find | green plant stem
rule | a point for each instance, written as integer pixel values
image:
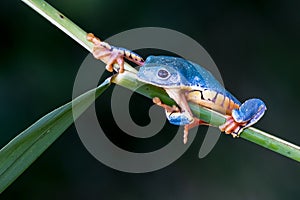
(129, 81)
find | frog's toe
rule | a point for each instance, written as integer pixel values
(120, 62)
(156, 100)
(185, 135)
(110, 64)
(92, 38)
(109, 68)
(229, 120)
(115, 57)
(232, 127)
(187, 127)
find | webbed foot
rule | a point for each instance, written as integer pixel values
(187, 127)
(111, 55)
(232, 127)
(247, 115)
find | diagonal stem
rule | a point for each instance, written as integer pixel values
(129, 81)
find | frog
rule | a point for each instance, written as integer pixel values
(184, 82)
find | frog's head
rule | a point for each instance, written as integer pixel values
(164, 71)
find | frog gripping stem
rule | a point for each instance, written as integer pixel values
(245, 116)
(111, 55)
(185, 82)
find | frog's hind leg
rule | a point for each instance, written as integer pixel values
(247, 115)
(111, 55)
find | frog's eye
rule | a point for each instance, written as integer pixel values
(163, 74)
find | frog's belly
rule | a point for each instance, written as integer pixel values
(213, 100)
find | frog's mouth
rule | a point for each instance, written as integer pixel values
(150, 82)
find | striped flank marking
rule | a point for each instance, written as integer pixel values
(212, 99)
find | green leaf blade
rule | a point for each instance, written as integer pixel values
(25, 148)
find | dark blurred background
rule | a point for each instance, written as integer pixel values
(255, 44)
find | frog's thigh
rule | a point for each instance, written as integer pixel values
(250, 111)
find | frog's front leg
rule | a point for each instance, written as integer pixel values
(247, 115)
(111, 55)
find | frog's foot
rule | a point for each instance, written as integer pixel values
(169, 109)
(187, 127)
(232, 127)
(106, 53)
(112, 55)
(247, 115)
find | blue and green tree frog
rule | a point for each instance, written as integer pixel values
(184, 81)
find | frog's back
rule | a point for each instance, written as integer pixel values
(201, 85)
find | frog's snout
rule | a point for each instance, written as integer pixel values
(144, 74)
(140, 74)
